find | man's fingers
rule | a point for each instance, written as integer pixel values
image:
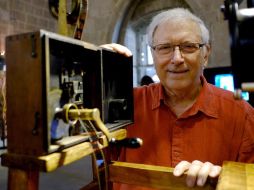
(121, 49)
(118, 48)
(181, 167)
(203, 173)
(107, 46)
(215, 171)
(193, 173)
(197, 172)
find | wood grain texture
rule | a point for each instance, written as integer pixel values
(23, 180)
(236, 176)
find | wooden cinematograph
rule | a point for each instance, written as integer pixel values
(63, 92)
(50, 76)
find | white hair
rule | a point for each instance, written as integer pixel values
(176, 14)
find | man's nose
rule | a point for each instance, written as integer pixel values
(177, 56)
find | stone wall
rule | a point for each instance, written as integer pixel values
(18, 16)
(4, 22)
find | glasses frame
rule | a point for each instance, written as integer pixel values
(171, 47)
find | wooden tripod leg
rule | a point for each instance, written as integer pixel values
(23, 179)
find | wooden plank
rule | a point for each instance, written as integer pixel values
(235, 176)
(149, 176)
(55, 160)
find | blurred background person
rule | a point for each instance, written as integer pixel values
(146, 80)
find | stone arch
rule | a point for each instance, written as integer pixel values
(140, 12)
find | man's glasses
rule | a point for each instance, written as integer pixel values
(186, 48)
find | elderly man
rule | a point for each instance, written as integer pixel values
(185, 122)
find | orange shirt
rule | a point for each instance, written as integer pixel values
(216, 128)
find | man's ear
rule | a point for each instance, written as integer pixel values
(206, 53)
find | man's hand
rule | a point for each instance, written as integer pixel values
(197, 172)
(118, 48)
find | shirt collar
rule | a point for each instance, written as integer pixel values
(205, 102)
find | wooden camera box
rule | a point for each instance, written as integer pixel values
(45, 71)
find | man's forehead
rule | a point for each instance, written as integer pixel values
(181, 23)
(181, 28)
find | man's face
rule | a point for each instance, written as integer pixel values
(179, 70)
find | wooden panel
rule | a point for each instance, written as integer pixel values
(24, 92)
(236, 176)
(55, 160)
(148, 176)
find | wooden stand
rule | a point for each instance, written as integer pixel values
(23, 173)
